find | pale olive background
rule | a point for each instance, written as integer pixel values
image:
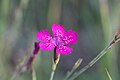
(96, 22)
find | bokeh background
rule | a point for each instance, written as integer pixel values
(96, 22)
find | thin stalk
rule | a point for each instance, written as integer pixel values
(33, 74)
(52, 75)
(28, 63)
(25, 66)
(15, 74)
(108, 74)
(69, 74)
(55, 62)
(53, 71)
(90, 64)
(76, 65)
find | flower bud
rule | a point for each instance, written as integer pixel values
(77, 63)
(116, 37)
(32, 56)
(56, 57)
(36, 48)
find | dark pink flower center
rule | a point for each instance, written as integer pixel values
(57, 41)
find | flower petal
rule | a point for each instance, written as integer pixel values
(58, 30)
(46, 46)
(70, 38)
(44, 36)
(63, 50)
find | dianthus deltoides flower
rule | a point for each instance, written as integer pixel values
(61, 40)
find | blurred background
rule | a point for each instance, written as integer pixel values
(96, 22)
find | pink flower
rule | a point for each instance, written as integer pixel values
(61, 39)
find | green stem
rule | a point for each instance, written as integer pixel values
(13, 77)
(52, 75)
(90, 64)
(53, 71)
(56, 59)
(76, 65)
(69, 74)
(33, 74)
